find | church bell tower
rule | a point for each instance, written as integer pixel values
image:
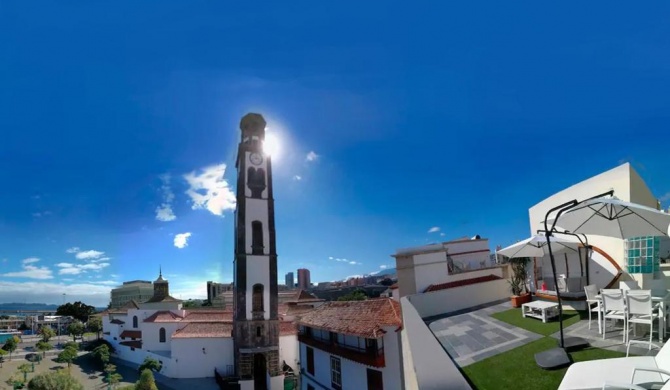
(255, 319)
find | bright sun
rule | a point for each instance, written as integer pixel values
(271, 145)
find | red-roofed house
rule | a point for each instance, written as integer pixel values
(352, 345)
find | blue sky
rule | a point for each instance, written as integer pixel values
(119, 128)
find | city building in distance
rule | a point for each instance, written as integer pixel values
(137, 290)
(303, 279)
(289, 280)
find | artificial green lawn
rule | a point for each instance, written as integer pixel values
(514, 317)
(516, 369)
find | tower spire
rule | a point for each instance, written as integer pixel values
(160, 271)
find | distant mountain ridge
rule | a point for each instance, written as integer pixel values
(15, 306)
(388, 271)
(27, 306)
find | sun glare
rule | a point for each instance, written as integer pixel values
(271, 145)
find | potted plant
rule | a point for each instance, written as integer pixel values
(520, 293)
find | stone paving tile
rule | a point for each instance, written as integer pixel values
(474, 336)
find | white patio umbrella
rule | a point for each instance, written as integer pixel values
(536, 246)
(602, 215)
(612, 217)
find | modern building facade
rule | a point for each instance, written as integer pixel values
(290, 281)
(610, 260)
(352, 345)
(419, 267)
(255, 307)
(304, 281)
(138, 290)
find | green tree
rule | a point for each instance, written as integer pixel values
(113, 378)
(67, 356)
(78, 310)
(356, 295)
(15, 380)
(57, 380)
(71, 344)
(147, 381)
(75, 329)
(2, 359)
(102, 353)
(47, 333)
(43, 347)
(25, 368)
(150, 364)
(95, 325)
(10, 345)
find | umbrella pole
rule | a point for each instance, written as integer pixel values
(558, 292)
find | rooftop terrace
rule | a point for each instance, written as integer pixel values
(494, 346)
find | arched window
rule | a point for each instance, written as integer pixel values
(256, 181)
(257, 237)
(135, 322)
(161, 335)
(257, 298)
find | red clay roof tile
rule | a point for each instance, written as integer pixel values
(358, 318)
(163, 316)
(204, 329)
(133, 334)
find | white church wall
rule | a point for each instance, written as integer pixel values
(198, 357)
(151, 332)
(288, 351)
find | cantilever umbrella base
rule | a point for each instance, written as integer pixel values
(552, 359)
(558, 357)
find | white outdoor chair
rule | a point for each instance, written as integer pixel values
(660, 289)
(641, 311)
(629, 285)
(614, 308)
(591, 293)
(635, 370)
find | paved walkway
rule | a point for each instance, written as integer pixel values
(474, 336)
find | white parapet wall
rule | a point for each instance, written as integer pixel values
(459, 298)
(426, 365)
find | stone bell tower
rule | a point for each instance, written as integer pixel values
(255, 319)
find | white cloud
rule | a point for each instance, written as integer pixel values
(209, 190)
(442, 234)
(87, 255)
(74, 249)
(330, 258)
(297, 177)
(311, 156)
(164, 211)
(76, 269)
(181, 240)
(355, 262)
(383, 266)
(37, 215)
(434, 229)
(30, 260)
(31, 272)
